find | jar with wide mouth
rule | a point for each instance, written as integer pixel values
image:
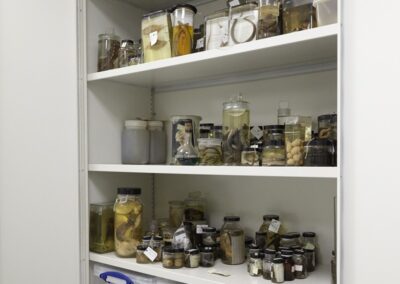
(217, 29)
(156, 36)
(250, 157)
(290, 239)
(179, 258)
(128, 229)
(232, 241)
(294, 142)
(198, 39)
(210, 151)
(126, 53)
(182, 25)
(319, 153)
(298, 15)
(140, 256)
(108, 47)
(277, 271)
(192, 258)
(157, 245)
(327, 126)
(300, 265)
(158, 142)
(254, 264)
(274, 229)
(269, 255)
(135, 142)
(207, 258)
(310, 256)
(176, 213)
(274, 153)
(269, 18)
(168, 257)
(209, 236)
(206, 130)
(243, 23)
(101, 234)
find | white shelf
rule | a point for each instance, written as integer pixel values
(305, 172)
(153, 5)
(200, 275)
(295, 52)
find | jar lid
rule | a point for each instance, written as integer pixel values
(231, 218)
(158, 238)
(332, 117)
(187, 6)
(283, 248)
(209, 141)
(192, 251)
(168, 249)
(179, 250)
(269, 251)
(135, 124)
(291, 235)
(299, 252)
(261, 233)
(287, 254)
(275, 128)
(142, 247)
(206, 126)
(309, 234)
(217, 127)
(278, 260)
(309, 249)
(155, 123)
(295, 247)
(253, 246)
(207, 249)
(255, 255)
(209, 230)
(146, 238)
(129, 190)
(126, 42)
(270, 217)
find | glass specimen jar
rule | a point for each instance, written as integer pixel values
(156, 36)
(198, 39)
(288, 265)
(232, 241)
(294, 141)
(277, 271)
(158, 141)
(268, 18)
(192, 258)
(157, 247)
(217, 29)
(274, 153)
(186, 154)
(290, 239)
(327, 126)
(250, 157)
(210, 151)
(176, 213)
(252, 248)
(101, 233)
(274, 228)
(128, 230)
(168, 257)
(300, 265)
(126, 53)
(236, 129)
(243, 23)
(319, 153)
(108, 47)
(140, 256)
(298, 15)
(207, 256)
(206, 130)
(194, 207)
(135, 142)
(261, 239)
(182, 35)
(269, 255)
(310, 256)
(209, 236)
(146, 241)
(179, 258)
(254, 264)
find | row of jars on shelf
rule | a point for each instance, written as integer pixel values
(168, 33)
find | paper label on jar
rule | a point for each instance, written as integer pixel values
(234, 3)
(254, 269)
(153, 38)
(298, 267)
(150, 253)
(199, 228)
(292, 269)
(123, 199)
(200, 43)
(274, 226)
(257, 132)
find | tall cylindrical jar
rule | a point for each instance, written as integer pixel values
(182, 29)
(268, 18)
(127, 53)
(128, 230)
(108, 47)
(236, 129)
(135, 142)
(158, 142)
(232, 241)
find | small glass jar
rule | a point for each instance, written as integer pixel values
(168, 235)
(310, 256)
(135, 142)
(209, 236)
(207, 256)
(194, 207)
(300, 265)
(273, 232)
(274, 153)
(254, 264)
(140, 256)
(176, 213)
(327, 126)
(250, 157)
(268, 18)
(179, 258)
(198, 39)
(252, 249)
(101, 233)
(261, 239)
(298, 15)
(206, 130)
(157, 247)
(128, 230)
(232, 241)
(294, 141)
(108, 47)
(269, 255)
(192, 258)
(290, 239)
(168, 257)
(217, 29)
(146, 241)
(210, 151)
(158, 142)
(310, 242)
(126, 53)
(243, 23)
(288, 265)
(182, 35)
(319, 153)
(277, 271)
(217, 133)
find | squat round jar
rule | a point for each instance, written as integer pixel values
(192, 258)
(209, 236)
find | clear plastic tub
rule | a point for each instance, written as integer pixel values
(326, 11)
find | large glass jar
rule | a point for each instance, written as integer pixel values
(194, 207)
(236, 129)
(268, 18)
(156, 36)
(217, 29)
(294, 141)
(243, 23)
(274, 153)
(176, 213)
(135, 142)
(327, 126)
(210, 151)
(273, 231)
(232, 241)
(126, 53)
(319, 153)
(182, 35)
(107, 51)
(128, 229)
(158, 141)
(101, 235)
(298, 15)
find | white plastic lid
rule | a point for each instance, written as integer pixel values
(135, 124)
(209, 141)
(155, 123)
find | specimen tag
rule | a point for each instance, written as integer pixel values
(234, 3)
(150, 253)
(274, 226)
(153, 38)
(200, 43)
(124, 44)
(199, 228)
(298, 267)
(257, 132)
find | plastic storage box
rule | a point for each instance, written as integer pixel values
(326, 11)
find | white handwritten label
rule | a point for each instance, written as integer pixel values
(153, 38)
(257, 132)
(298, 267)
(234, 3)
(199, 228)
(274, 226)
(150, 253)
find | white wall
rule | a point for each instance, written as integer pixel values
(39, 232)
(371, 215)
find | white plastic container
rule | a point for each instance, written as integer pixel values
(135, 142)
(158, 142)
(326, 11)
(102, 273)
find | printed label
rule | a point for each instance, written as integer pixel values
(257, 132)
(298, 267)
(234, 3)
(274, 226)
(199, 228)
(153, 38)
(150, 253)
(200, 43)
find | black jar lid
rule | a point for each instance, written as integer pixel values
(231, 218)
(287, 252)
(141, 247)
(274, 128)
(332, 117)
(248, 241)
(309, 235)
(291, 235)
(269, 251)
(209, 230)
(168, 249)
(255, 255)
(281, 248)
(253, 246)
(309, 249)
(207, 249)
(146, 238)
(217, 127)
(277, 260)
(158, 238)
(179, 250)
(299, 252)
(129, 190)
(258, 233)
(192, 251)
(295, 247)
(127, 41)
(270, 217)
(188, 6)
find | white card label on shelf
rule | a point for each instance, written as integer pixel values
(199, 228)
(257, 132)
(153, 38)
(218, 272)
(234, 3)
(298, 267)
(274, 226)
(150, 253)
(200, 43)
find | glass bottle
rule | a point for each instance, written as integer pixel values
(236, 129)
(269, 255)
(126, 53)
(135, 142)
(273, 232)
(209, 236)
(101, 234)
(243, 23)
(140, 256)
(288, 265)
(268, 18)
(176, 213)
(277, 271)
(128, 230)
(298, 15)
(108, 47)
(274, 153)
(168, 257)
(186, 155)
(198, 39)
(310, 256)
(300, 265)
(192, 258)
(310, 243)
(182, 34)
(290, 239)
(319, 153)
(232, 241)
(207, 256)
(217, 29)
(254, 264)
